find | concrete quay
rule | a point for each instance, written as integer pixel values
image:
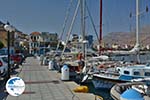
(42, 84)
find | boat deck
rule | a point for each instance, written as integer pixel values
(118, 89)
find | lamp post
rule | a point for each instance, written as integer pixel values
(9, 29)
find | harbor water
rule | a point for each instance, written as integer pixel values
(104, 93)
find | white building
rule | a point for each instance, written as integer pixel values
(34, 42)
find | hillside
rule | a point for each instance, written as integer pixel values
(128, 37)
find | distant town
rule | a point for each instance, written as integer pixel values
(41, 42)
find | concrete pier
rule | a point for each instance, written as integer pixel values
(42, 84)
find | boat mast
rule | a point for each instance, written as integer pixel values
(137, 29)
(100, 31)
(137, 22)
(82, 6)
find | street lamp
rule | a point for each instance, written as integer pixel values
(9, 29)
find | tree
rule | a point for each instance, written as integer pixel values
(1, 45)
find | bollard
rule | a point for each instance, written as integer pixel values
(65, 73)
(51, 65)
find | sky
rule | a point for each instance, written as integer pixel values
(49, 15)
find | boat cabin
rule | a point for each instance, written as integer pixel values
(133, 72)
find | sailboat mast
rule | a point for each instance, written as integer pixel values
(82, 6)
(100, 31)
(137, 22)
(137, 28)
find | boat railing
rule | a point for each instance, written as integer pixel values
(109, 72)
(104, 74)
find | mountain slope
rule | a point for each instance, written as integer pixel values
(128, 37)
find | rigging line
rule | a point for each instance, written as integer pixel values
(71, 26)
(92, 21)
(65, 23)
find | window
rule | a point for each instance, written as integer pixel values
(136, 73)
(34, 45)
(31, 44)
(126, 72)
(31, 37)
(37, 44)
(34, 38)
(147, 73)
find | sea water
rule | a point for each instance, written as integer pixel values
(104, 93)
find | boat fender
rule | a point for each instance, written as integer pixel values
(82, 89)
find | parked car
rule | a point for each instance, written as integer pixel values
(18, 58)
(3, 66)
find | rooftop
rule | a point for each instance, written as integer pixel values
(35, 33)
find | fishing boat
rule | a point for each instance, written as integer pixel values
(106, 79)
